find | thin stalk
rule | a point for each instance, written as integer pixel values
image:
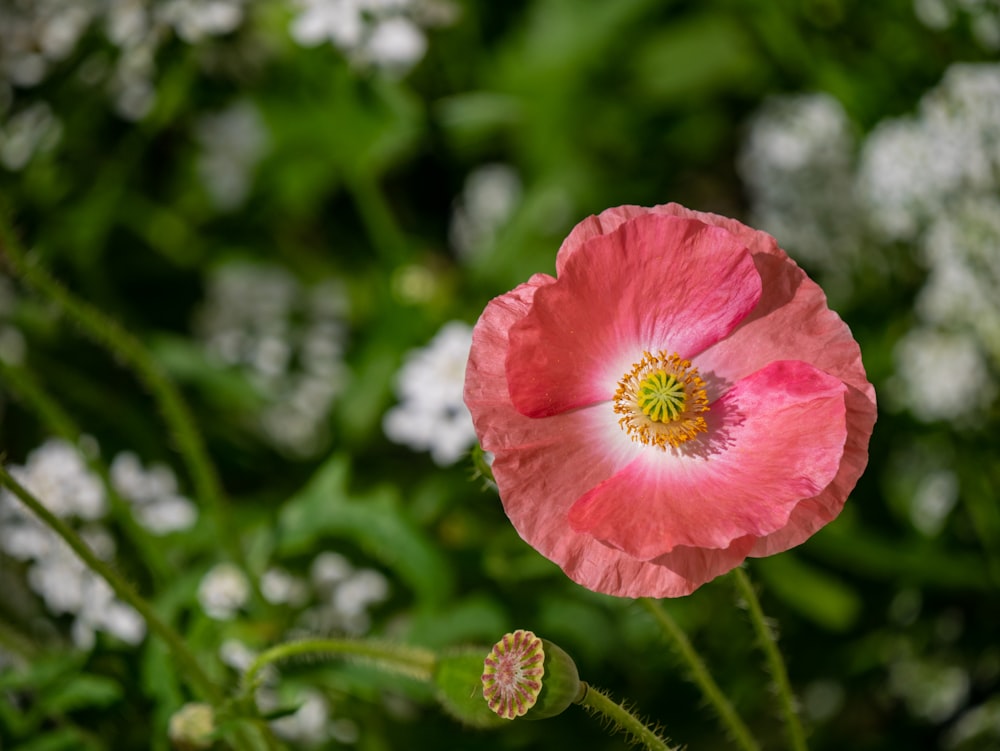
(380, 223)
(700, 675)
(597, 702)
(188, 662)
(125, 347)
(61, 424)
(16, 643)
(775, 663)
(409, 661)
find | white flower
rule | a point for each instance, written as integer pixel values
(223, 591)
(343, 595)
(329, 569)
(328, 20)
(931, 690)
(278, 586)
(308, 724)
(362, 590)
(912, 167)
(156, 503)
(984, 17)
(969, 388)
(288, 339)
(236, 654)
(35, 35)
(432, 414)
(232, 142)
(30, 131)
(961, 251)
(933, 500)
(196, 19)
(396, 43)
(489, 197)
(797, 161)
(384, 34)
(56, 474)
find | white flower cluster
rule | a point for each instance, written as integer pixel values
(156, 503)
(798, 163)
(29, 131)
(931, 180)
(287, 339)
(432, 415)
(385, 34)
(489, 197)
(232, 141)
(343, 595)
(983, 17)
(37, 35)
(336, 596)
(912, 169)
(222, 591)
(312, 723)
(56, 474)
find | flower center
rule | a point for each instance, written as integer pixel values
(661, 396)
(661, 401)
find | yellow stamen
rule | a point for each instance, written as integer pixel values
(662, 400)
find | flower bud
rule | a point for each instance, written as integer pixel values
(524, 675)
(192, 727)
(458, 680)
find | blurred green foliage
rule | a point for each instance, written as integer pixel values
(592, 104)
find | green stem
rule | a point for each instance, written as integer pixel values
(380, 223)
(409, 661)
(597, 702)
(109, 334)
(189, 664)
(981, 506)
(27, 388)
(13, 641)
(775, 663)
(700, 675)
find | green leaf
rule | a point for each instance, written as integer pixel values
(79, 691)
(458, 680)
(330, 125)
(816, 594)
(56, 740)
(226, 387)
(916, 562)
(375, 521)
(698, 57)
(583, 625)
(477, 619)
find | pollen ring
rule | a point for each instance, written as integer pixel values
(662, 400)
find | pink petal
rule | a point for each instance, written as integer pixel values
(611, 219)
(603, 569)
(593, 226)
(793, 320)
(775, 438)
(656, 282)
(541, 470)
(485, 374)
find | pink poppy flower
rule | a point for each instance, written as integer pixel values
(678, 398)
